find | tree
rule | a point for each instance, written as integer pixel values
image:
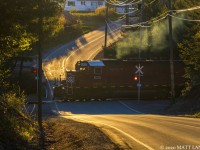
(190, 52)
(189, 47)
(19, 32)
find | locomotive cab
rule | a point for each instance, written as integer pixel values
(87, 73)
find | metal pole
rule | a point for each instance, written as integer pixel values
(106, 26)
(139, 76)
(37, 75)
(171, 52)
(40, 73)
(60, 80)
(127, 14)
(139, 83)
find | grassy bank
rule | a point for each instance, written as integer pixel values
(81, 23)
(62, 134)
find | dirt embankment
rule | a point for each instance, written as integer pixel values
(67, 134)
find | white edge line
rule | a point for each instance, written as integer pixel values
(136, 140)
(139, 112)
(126, 134)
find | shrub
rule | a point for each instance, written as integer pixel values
(16, 126)
(101, 12)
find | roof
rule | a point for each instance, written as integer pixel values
(96, 63)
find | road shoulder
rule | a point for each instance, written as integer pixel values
(63, 133)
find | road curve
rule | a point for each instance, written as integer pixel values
(136, 129)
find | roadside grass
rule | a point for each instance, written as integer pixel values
(196, 115)
(89, 19)
(61, 133)
(191, 115)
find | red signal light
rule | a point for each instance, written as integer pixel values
(135, 78)
(35, 71)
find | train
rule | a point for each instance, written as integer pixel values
(122, 79)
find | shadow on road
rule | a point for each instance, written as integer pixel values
(129, 107)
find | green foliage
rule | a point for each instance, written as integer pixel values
(19, 32)
(101, 12)
(190, 52)
(16, 126)
(196, 115)
(190, 46)
(52, 19)
(153, 10)
(76, 24)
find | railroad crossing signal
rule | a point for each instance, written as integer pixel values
(140, 73)
(139, 69)
(35, 71)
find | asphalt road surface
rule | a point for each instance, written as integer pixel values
(134, 125)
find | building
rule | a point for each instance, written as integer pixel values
(83, 5)
(92, 5)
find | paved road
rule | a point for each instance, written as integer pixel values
(135, 125)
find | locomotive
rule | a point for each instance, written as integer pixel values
(103, 79)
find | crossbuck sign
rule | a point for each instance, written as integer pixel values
(139, 69)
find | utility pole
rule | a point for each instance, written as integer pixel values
(40, 33)
(141, 20)
(171, 52)
(106, 26)
(142, 11)
(139, 57)
(127, 14)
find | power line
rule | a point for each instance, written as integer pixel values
(184, 19)
(157, 19)
(124, 3)
(126, 13)
(120, 2)
(130, 3)
(185, 10)
(150, 3)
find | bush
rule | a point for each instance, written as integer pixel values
(17, 129)
(101, 12)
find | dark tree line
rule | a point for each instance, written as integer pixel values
(188, 45)
(19, 31)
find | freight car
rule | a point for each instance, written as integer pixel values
(102, 79)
